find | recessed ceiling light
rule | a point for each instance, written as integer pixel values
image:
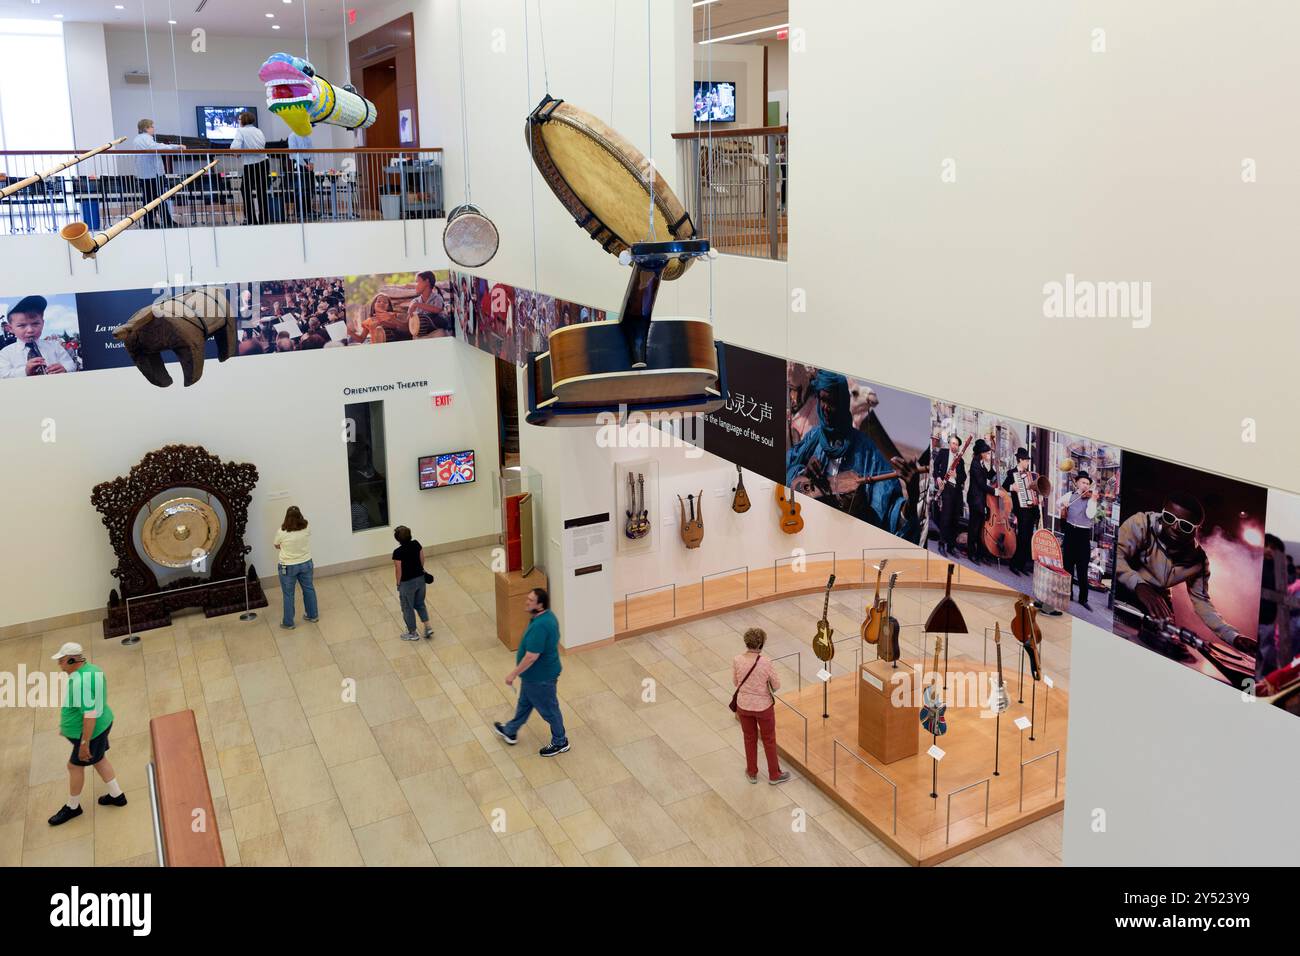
(747, 33)
(58, 16)
(172, 22)
(270, 16)
(118, 6)
(275, 26)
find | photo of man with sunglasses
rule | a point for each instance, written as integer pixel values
(1158, 550)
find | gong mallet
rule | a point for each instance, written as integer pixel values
(88, 244)
(41, 177)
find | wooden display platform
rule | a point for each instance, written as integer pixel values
(650, 610)
(832, 759)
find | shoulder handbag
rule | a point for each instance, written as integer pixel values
(734, 696)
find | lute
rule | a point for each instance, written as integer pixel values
(692, 527)
(870, 629)
(999, 699)
(822, 644)
(740, 498)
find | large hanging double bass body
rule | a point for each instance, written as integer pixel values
(637, 362)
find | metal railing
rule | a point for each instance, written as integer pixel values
(734, 186)
(246, 187)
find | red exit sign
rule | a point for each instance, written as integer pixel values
(441, 399)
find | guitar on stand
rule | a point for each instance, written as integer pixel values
(823, 645)
(870, 630)
(933, 714)
(740, 497)
(999, 699)
(887, 645)
(1025, 627)
(790, 520)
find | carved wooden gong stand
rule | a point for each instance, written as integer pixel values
(121, 500)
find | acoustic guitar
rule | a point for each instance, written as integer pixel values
(790, 520)
(933, 709)
(887, 645)
(876, 614)
(822, 644)
(1026, 630)
(740, 498)
(999, 699)
(643, 516)
(692, 527)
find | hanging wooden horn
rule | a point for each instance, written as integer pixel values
(88, 244)
(41, 177)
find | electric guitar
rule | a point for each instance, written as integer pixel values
(629, 529)
(822, 644)
(1026, 630)
(999, 699)
(693, 527)
(643, 517)
(870, 629)
(790, 520)
(740, 501)
(887, 646)
(933, 709)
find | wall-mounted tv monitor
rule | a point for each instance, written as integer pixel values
(218, 124)
(715, 101)
(451, 468)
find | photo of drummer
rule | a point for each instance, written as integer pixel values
(857, 447)
(1188, 560)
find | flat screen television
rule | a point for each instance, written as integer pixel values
(715, 101)
(217, 124)
(450, 468)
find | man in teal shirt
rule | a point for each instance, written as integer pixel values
(537, 665)
(85, 721)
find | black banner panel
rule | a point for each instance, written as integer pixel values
(750, 429)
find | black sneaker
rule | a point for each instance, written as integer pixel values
(65, 814)
(110, 801)
(501, 732)
(550, 750)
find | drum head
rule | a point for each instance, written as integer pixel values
(470, 239)
(179, 531)
(603, 180)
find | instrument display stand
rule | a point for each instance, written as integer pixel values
(1033, 707)
(997, 743)
(885, 731)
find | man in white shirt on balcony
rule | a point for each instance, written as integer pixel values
(149, 170)
(256, 169)
(305, 176)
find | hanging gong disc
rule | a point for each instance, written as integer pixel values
(180, 530)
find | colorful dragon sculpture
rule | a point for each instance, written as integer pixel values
(302, 99)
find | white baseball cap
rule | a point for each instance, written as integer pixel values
(70, 649)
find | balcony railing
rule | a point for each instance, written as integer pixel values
(246, 187)
(735, 185)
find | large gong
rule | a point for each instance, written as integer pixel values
(181, 532)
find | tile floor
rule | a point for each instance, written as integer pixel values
(410, 774)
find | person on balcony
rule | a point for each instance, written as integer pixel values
(304, 188)
(255, 181)
(149, 170)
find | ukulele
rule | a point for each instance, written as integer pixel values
(643, 517)
(870, 629)
(933, 709)
(887, 647)
(791, 521)
(630, 527)
(822, 644)
(693, 527)
(740, 500)
(999, 699)
(1026, 630)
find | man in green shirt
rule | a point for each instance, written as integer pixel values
(537, 665)
(85, 722)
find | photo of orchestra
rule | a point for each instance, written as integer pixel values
(1188, 565)
(295, 315)
(1278, 667)
(858, 447)
(399, 307)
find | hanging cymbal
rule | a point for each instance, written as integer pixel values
(179, 530)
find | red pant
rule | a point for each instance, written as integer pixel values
(753, 723)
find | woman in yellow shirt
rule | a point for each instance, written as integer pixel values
(293, 541)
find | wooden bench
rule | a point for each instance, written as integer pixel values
(182, 789)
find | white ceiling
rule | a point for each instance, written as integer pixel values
(740, 16)
(245, 18)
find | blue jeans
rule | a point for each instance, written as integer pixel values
(301, 573)
(538, 695)
(411, 594)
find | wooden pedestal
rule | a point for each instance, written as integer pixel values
(511, 616)
(885, 731)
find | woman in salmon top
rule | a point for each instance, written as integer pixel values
(754, 675)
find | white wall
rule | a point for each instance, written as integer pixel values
(778, 66)
(281, 413)
(741, 63)
(88, 83)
